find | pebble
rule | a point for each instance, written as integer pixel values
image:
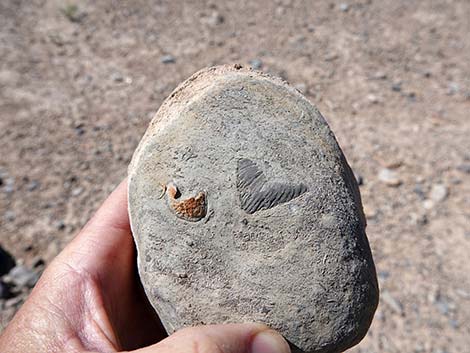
(77, 191)
(21, 276)
(60, 225)
(392, 302)
(79, 129)
(9, 185)
(418, 219)
(167, 59)
(256, 64)
(420, 191)
(10, 216)
(216, 18)
(453, 88)
(444, 306)
(379, 75)
(117, 77)
(33, 185)
(389, 177)
(344, 7)
(396, 87)
(438, 192)
(464, 168)
(372, 98)
(454, 323)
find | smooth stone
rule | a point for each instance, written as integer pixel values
(389, 177)
(244, 209)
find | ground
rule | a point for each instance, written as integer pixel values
(80, 81)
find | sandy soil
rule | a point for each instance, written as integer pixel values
(79, 82)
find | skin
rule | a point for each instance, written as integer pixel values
(90, 299)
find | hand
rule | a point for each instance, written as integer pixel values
(90, 299)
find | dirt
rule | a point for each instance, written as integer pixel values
(79, 82)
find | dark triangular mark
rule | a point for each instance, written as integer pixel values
(256, 193)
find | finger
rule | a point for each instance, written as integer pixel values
(231, 338)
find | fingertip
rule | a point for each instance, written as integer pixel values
(269, 341)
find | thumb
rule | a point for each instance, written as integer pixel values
(230, 338)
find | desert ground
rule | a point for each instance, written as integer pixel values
(80, 81)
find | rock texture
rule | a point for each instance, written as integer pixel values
(243, 209)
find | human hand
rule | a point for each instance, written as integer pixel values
(90, 299)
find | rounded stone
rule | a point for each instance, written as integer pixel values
(244, 209)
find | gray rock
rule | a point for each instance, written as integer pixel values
(10, 215)
(21, 276)
(244, 209)
(33, 185)
(167, 59)
(256, 64)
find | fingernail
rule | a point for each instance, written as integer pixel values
(269, 342)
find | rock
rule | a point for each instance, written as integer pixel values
(216, 18)
(263, 224)
(444, 305)
(21, 276)
(33, 185)
(396, 86)
(256, 64)
(420, 191)
(117, 77)
(389, 177)
(10, 215)
(167, 59)
(60, 224)
(77, 191)
(7, 262)
(344, 7)
(372, 98)
(453, 88)
(73, 13)
(438, 192)
(9, 185)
